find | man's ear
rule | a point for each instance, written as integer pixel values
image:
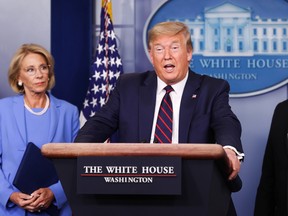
(189, 55)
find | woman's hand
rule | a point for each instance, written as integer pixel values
(44, 199)
(23, 200)
(36, 202)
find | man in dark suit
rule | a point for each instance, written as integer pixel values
(271, 198)
(201, 111)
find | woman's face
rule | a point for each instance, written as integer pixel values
(34, 74)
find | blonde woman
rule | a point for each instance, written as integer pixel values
(33, 115)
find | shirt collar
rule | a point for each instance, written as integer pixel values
(178, 87)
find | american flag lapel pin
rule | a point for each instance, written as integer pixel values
(194, 96)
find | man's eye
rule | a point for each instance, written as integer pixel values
(159, 49)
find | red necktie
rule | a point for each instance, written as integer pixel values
(163, 131)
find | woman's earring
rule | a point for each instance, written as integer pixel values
(20, 83)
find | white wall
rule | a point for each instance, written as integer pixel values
(21, 22)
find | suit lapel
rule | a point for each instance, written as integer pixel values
(18, 110)
(54, 112)
(188, 104)
(147, 94)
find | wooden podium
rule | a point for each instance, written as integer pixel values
(205, 189)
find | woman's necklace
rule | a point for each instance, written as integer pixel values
(42, 111)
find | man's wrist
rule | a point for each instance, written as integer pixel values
(238, 154)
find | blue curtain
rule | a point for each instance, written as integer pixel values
(72, 48)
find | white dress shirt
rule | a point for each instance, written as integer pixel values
(176, 96)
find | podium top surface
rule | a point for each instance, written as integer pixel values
(74, 150)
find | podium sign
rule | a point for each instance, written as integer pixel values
(129, 175)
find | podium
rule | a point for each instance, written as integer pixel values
(205, 188)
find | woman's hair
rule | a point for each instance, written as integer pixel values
(16, 63)
(170, 28)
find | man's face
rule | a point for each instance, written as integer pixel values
(170, 57)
